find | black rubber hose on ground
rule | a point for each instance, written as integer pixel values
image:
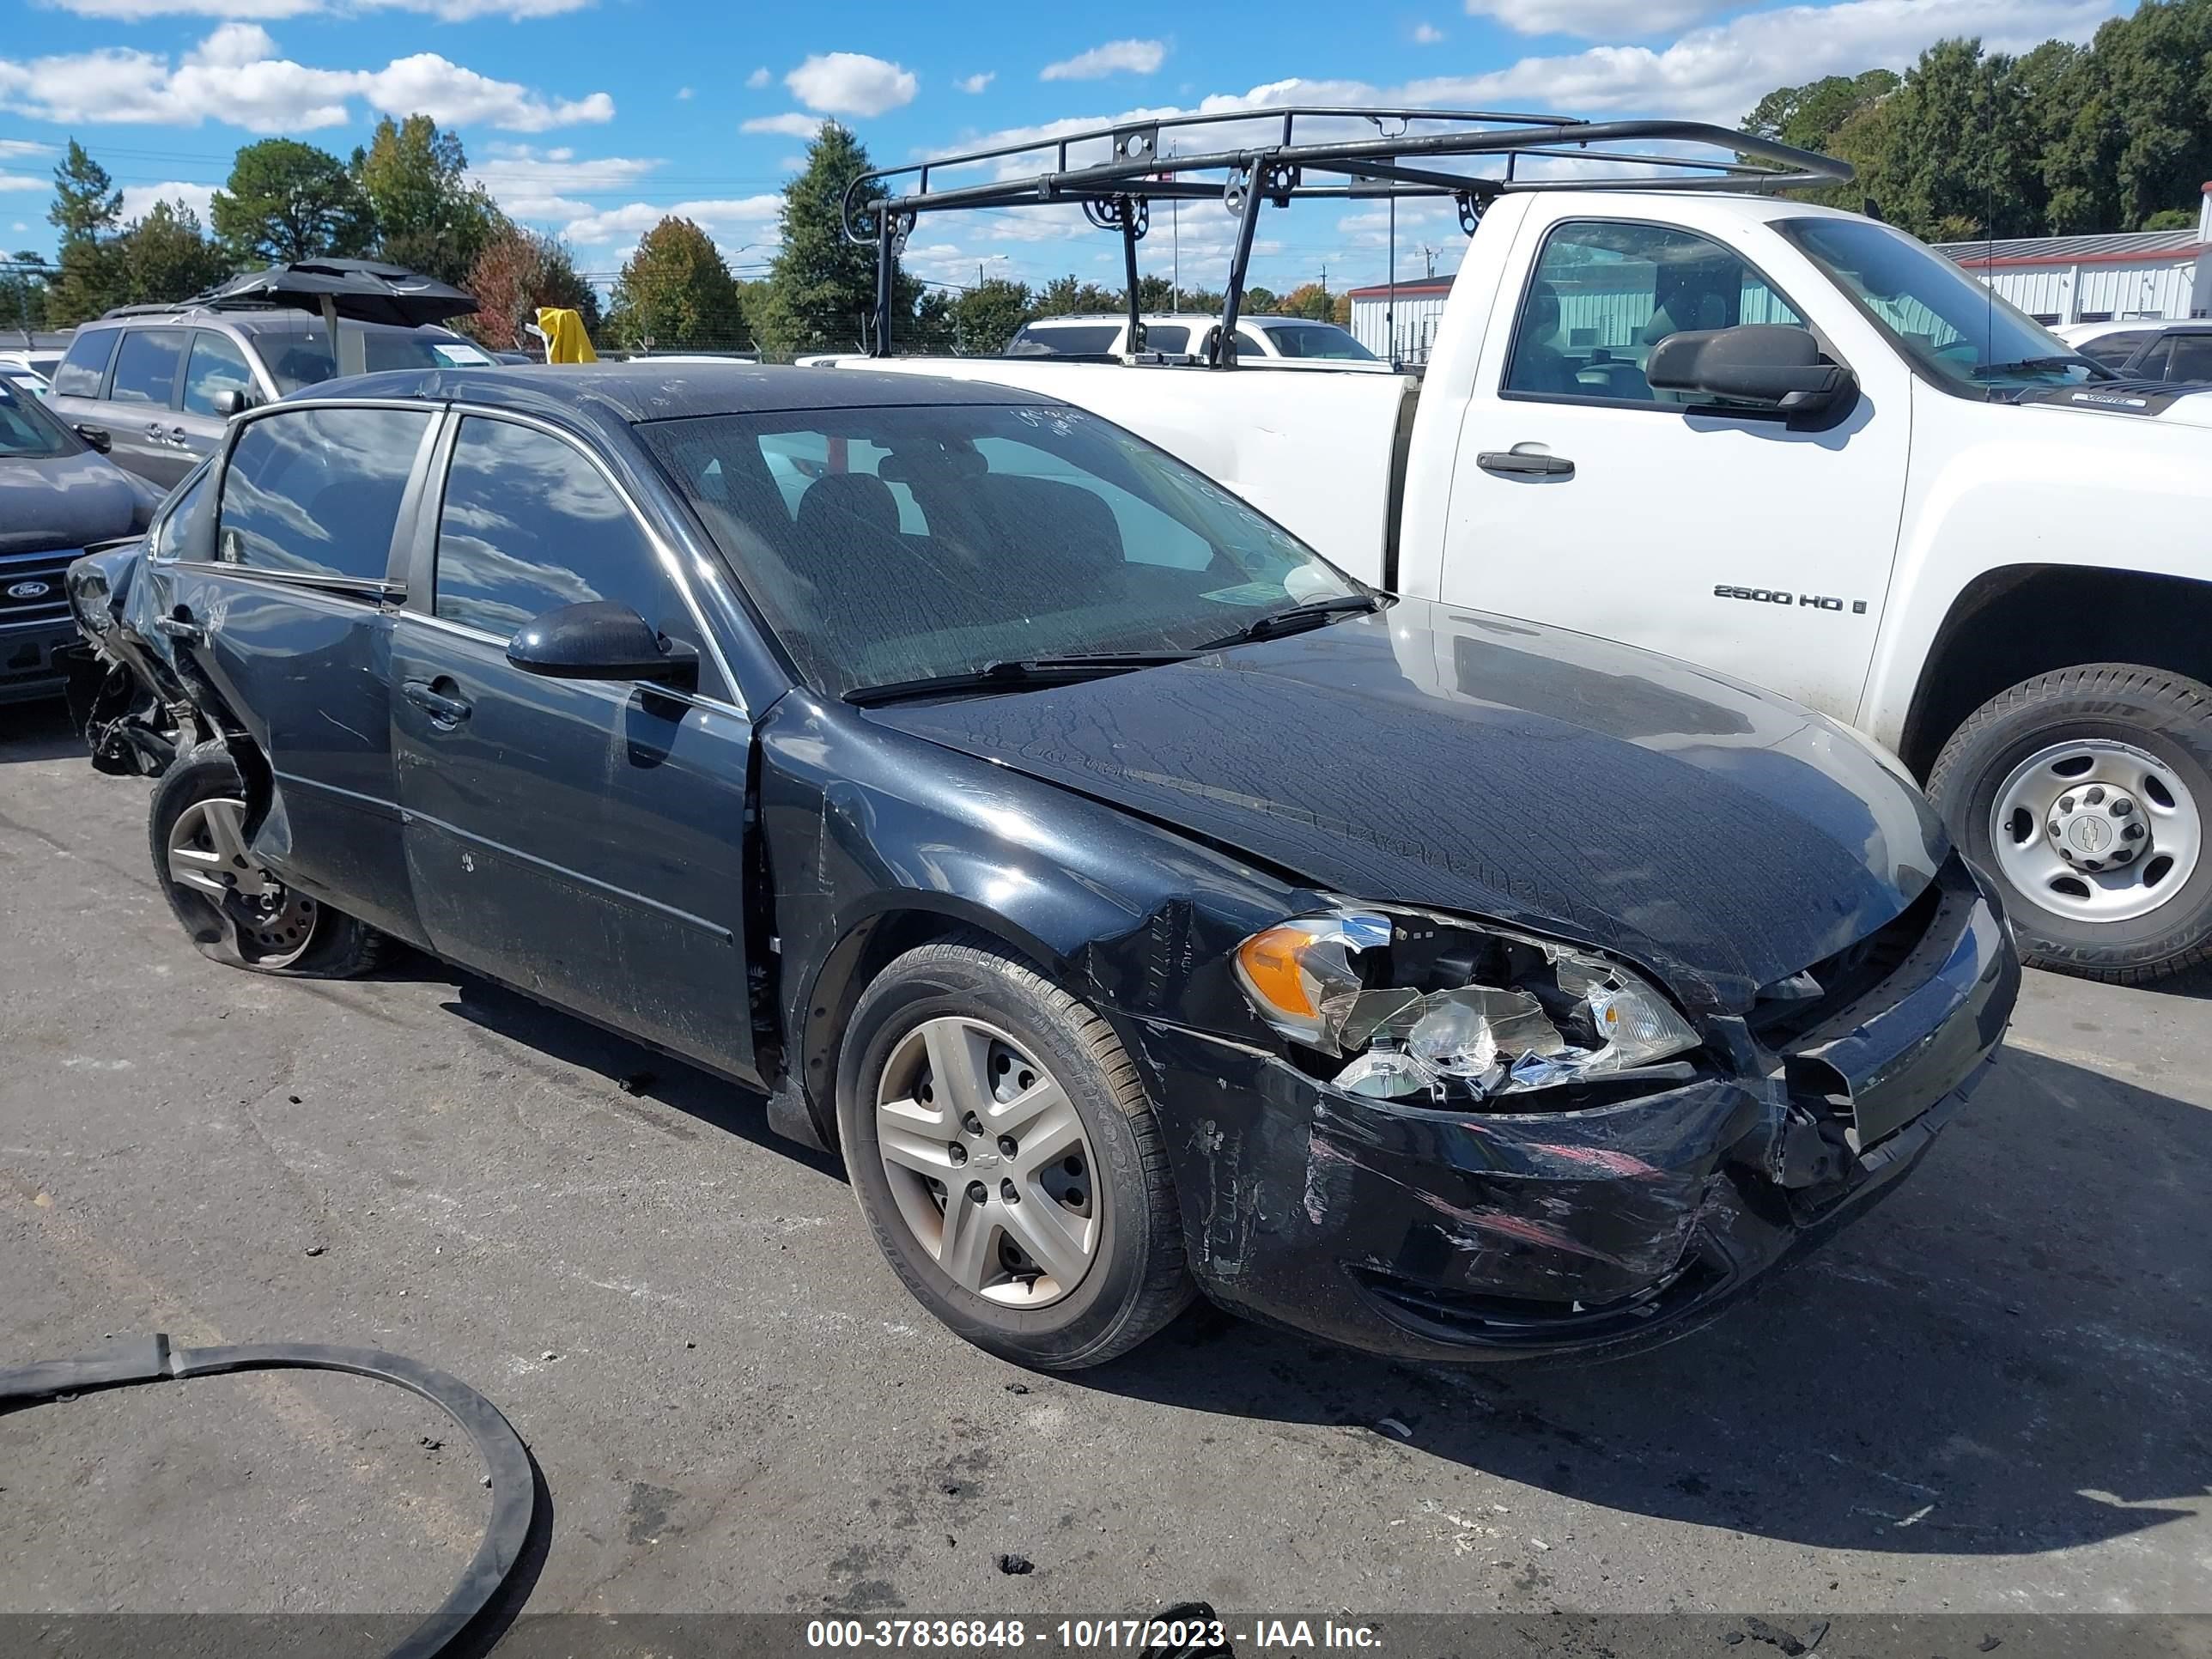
(513, 1480)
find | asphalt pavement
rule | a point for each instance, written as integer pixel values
(1988, 1396)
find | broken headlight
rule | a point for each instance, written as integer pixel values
(1427, 1004)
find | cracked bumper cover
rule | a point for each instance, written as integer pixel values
(1452, 1234)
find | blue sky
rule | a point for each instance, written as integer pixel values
(592, 118)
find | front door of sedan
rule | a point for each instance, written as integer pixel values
(581, 839)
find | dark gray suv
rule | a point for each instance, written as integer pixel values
(156, 383)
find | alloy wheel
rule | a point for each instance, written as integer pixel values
(989, 1163)
(264, 922)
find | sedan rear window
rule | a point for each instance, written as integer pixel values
(316, 492)
(892, 544)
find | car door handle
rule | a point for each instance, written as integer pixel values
(1524, 463)
(183, 629)
(177, 435)
(445, 711)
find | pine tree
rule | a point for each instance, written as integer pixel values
(287, 201)
(87, 206)
(822, 289)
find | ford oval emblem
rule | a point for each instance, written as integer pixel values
(28, 591)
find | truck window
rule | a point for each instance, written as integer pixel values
(1604, 293)
(1167, 337)
(2191, 359)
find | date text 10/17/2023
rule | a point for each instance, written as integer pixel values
(1201, 1633)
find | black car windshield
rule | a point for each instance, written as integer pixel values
(300, 355)
(1324, 340)
(1956, 330)
(886, 545)
(27, 433)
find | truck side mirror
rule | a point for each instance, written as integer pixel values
(1753, 363)
(601, 640)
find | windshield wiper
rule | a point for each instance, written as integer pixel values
(2041, 365)
(1314, 613)
(1020, 674)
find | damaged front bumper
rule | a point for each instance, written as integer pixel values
(1430, 1233)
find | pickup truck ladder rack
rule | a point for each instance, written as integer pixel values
(1263, 157)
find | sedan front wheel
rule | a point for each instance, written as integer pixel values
(1008, 1159)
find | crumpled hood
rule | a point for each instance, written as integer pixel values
(67, 501)
(1722, 836)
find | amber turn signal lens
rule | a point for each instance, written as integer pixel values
(1270, 961)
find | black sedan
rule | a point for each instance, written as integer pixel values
(1139, 904)
(58, 496)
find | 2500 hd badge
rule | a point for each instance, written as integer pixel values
(1782, 595)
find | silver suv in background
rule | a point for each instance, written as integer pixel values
(156, 383)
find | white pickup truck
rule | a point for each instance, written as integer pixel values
(1790, 443)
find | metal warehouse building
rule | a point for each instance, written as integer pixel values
(1399, 320)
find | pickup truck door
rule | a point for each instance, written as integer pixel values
(1583, 497)
(580, 840)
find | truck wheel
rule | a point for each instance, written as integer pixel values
(236, 911)
(2086, 793)
(1006, 1158)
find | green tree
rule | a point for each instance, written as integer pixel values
(1070, 296)
(677, 291)
(1960, 156)
(822, 287)
(287, 201)
(517, 271)
(1841, 115)
(1311, 299)
(1262, 302)
(429, 217)
(86, 208)
(985, 317)
(23, 281)
(165, 256)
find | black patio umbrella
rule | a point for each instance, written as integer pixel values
(360, 290)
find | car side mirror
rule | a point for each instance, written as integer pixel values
(96, 436)
(601, 640)
(1753, 363)
(231, 401)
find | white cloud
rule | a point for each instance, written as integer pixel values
(1115, 58)
(1593, 19)
(138, 200)
(547, 186)
(793, 126)
(23, 181)
(759, 78)
(974, 83)
(682, 94)
(233, 76)
(16, 149)
(749, 212)
(851, 83)
(1427, 34)
(445, 11)
(1716, 74)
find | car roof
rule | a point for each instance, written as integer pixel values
(642, 390)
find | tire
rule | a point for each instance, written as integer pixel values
(2141, 738)
(196, 823)
(963, 996)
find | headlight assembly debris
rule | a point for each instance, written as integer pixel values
(1428, 1004)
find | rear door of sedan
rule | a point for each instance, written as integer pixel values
(582, 840)
(283, 595)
